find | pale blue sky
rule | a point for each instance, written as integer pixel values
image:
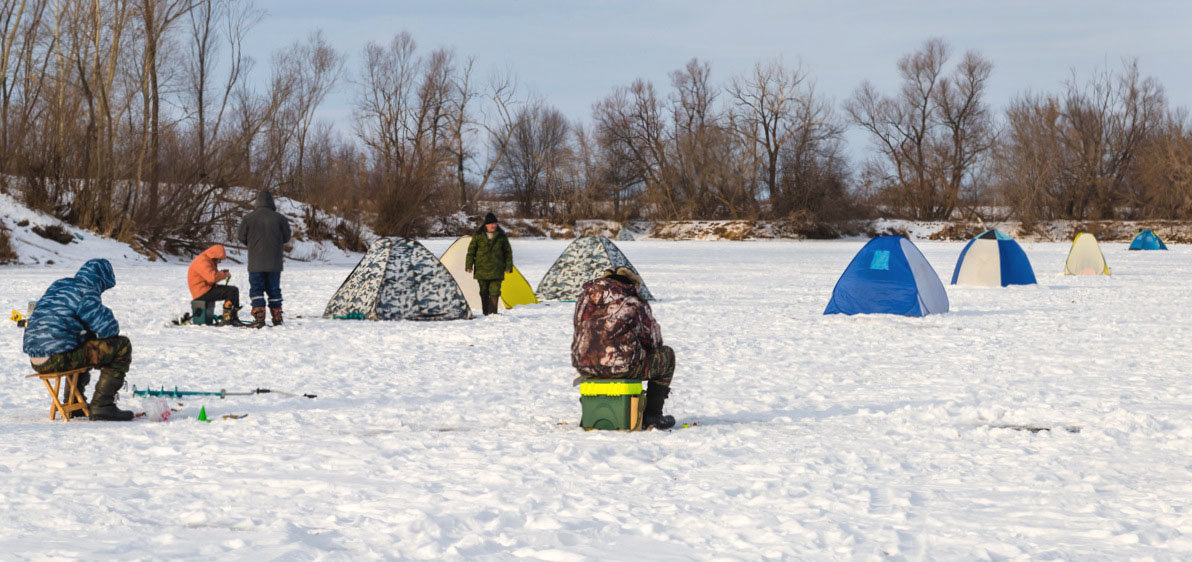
(574, 53)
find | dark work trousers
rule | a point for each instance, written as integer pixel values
(221, 293)
(265, 283)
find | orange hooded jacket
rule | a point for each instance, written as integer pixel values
(203, 273)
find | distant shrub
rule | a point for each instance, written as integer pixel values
(889, 231)
(957, 231)
(316, 229)
(7, 254)
(54, 232)
(348, 236)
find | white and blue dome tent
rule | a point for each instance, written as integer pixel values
(889, 276)
(1147, 240)
(993, 259)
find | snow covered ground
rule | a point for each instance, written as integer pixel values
(819, 437)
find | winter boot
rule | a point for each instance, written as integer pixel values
(493, 303)
(653, 417)
(258, 317)
(275, 313)
(484, 305)
(103, 399)
(231, 315)
(84, 378)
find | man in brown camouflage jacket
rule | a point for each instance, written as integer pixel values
(616, 337)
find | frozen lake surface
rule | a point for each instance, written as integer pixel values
(819, 437)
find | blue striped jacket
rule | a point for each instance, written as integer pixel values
(70, 308)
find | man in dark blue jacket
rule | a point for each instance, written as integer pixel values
(265, 232)
(71, 328)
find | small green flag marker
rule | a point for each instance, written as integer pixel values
(203, 414)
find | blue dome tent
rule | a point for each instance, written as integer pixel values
(1147, 240)
(993, 259)
(889, 276)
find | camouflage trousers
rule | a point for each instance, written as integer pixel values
(489, 287)
(659, 367)
(111, 355)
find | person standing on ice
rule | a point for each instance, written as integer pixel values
(616, 337)
(265, 232)
(490, 257)
(203, 278)
(71, 328)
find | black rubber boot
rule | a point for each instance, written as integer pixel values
(84, 379)
(486, 305)
(103, 400)
(653, 417)
(493, 304)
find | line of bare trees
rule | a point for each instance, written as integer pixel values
(134, 118)
(147, 121)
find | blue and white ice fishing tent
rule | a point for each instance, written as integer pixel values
(1147, 240)
(889, 276)
(993, 259)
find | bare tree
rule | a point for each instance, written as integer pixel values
(316, 67)
(1072, 156)
(535, 155)
(493, 119)
(1162, 172)
(631, 127)
(156, 17)
(931, 138)
(767, 101)
(214, 23)
(402, 117)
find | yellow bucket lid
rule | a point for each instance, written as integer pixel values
(610, 388)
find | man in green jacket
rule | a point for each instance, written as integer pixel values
(489, 258)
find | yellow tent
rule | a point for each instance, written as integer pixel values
(1085, 257)
(514, 290)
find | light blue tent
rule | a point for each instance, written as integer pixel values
(1147, 240)
(889, 276)
(993, 259)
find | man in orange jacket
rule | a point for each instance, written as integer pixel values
(204, 276)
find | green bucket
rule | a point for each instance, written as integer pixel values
(612, 404)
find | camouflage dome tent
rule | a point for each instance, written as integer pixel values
(584, 260)
(399, 279)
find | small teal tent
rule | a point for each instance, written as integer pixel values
(993, 259)
(1147, 240)
(889, 276)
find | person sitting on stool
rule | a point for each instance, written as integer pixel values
(616, 337)
(70, 328)
(204, 276)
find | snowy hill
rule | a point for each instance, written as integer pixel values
(73, 245)
(61, 243)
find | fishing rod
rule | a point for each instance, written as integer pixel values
(222, 393)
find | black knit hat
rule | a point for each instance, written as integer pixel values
(490, 218)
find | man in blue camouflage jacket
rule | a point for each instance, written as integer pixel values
(71, 328)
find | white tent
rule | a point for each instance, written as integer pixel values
(1085, 257)
(515, 289)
